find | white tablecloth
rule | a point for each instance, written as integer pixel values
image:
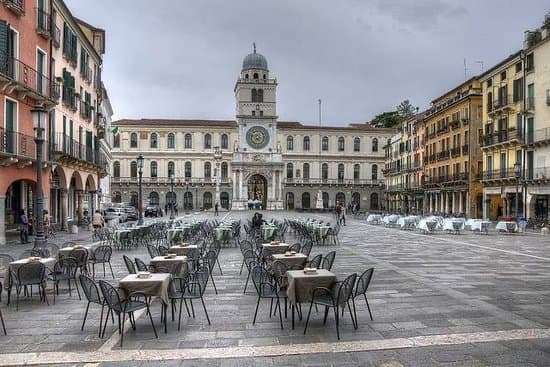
(428, 225)
(453, 224)
(374, 219)
(509, 227)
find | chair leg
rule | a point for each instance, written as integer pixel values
(179, 317)
(280, 314)
(113, 274)
(326, 314)
(85, 315)
(3, 325)
(213, 283)
(152, 322)
(219, 267)
(308, 314)
(368, 306)
(101, 320)
(206, 312)
(256, 312)
(44, 293)
(93, 271)
(355, 314)
(246, 284)
(121, 329)
(337, 322)
(242, 265)
(77, 290)
(351, 315)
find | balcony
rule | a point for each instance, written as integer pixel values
(529, 105)
(67, 149)
(16, 76)
(16, 6)
(70, 99)
(465, 149)
(85, 111)
(332, 181)
(540, 137)
(16, 148)
(500, 105)
(431, 135)
(43, 23)
(443, 129)
(455, 124)
(178, 182)
(456, 179)
(86, 73)
(56, 36)
(503, 137)
(443, 155)
(503, 174)
(455, 152)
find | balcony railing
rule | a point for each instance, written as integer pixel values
(465, 149)
(86, 73)
(43, 23)
(17, 144)
(530, 103)
(455, 152)
(443, 155)
(17, 6)
(500, 103)
(457, 178)
(27, 77)
(538, 136)
(85, 110)
(501, 137)
(332, 181)
(63, 144)
(496, 174)
(178, 182)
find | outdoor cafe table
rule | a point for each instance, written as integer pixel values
(293, 260)
(120, 233)
(175, 233)
(170, 263)
(506, 226)
(453, 225)
(279, 248)
(155, 285)
(478, 225)
(222, 233)
(183, 250)
(268, 231)
(320, 231)
(65, 251)
(301, 285)
(49, 263)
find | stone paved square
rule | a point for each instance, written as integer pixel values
(437, 300)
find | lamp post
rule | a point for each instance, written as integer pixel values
(517, 174)
(186, 196)
(172, 195)
(39, 122)
(218, 158)
(140, 200)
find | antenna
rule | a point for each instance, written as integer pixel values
(319, 100)
(480, 62)
(465, 70)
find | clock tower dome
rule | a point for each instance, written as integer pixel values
(257, 163)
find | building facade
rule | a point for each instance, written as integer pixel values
(42, 46)
(282, 165)
(451, 151)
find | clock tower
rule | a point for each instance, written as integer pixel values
(257, 160)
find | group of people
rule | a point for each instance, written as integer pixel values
(257, 220)
(340, 213)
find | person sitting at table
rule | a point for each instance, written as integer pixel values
(257, 220)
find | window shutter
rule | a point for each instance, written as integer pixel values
(4, 28)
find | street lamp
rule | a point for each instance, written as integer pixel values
(39, 123)
(140, 201)
(218, 158)
(517, 174)
(172, 195)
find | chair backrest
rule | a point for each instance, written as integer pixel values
(141, 266)
(153, 250)
(250, 259)
(199, 278)
(90, 289)
(345, 289)
(129, 264)
(316, 261)
(279, 269)
(103, 253)
(30, 253)
(162, 250)
(5, 261)
(363, 282)
(246, 245)
(262, 280)
(306, 248)
(52, 249)
(80, 255)
(31, 273)
(111, 297)
(328, 260)
(296, 247)
(67, 266)
(211, 257)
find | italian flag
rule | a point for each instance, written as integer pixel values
(115, 130)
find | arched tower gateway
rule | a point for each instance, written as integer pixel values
(257, 160)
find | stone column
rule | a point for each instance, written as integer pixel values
(460, 202)
(235, 185)
(241, 186)
(484, 205)
(64, 208)
(2, 220)
(454, 203)
(273, 186)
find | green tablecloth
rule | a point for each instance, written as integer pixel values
(222, 233)
(175, 234)
(321, 231)
(121, 233)
(269, 231)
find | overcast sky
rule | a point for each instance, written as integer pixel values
(180, 58)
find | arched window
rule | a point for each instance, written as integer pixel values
(340, 172)
(207, 141)
(207, 170)
(341, 144)
(265, 77)
(356, 145)
(375, 172)
(324, 144)
(154, 169)
(306, 200)
(260, 95)
(254, 95)
(356, 198)
(116, 169)
(375, 145)
(187, 169)
(356, 172)
(289, 171)
(207, 200)
(289, 200)
(171, 168)
(224, 200)
(171, 141)
(134, 199)
(255, 76)
(154, 198)
(133, 140)
(225, 141)
(305, 172)
(188, 144)
(224, 169)
(306, 143)
(325, 199)
(117, 197)
(289, 143)
(374, 201)
(246, 76)
(324, 171)
(133, 169)
(154, 140)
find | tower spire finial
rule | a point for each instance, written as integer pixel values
(254, 45)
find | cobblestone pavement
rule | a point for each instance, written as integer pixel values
(437, 300)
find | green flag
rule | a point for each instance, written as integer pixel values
(115, 130)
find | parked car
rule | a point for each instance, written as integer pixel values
(113, 213)
(131, 213)
(153, 211)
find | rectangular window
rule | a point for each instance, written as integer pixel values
(518, 90)
(529, 62)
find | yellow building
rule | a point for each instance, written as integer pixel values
(451, 152)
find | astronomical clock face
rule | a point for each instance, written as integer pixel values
(257, 137)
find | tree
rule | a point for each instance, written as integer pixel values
(386, 119)
(406, 109)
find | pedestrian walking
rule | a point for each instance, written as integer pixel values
(23, 226)
(97, 220)
(216, 210)
(46, 222)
